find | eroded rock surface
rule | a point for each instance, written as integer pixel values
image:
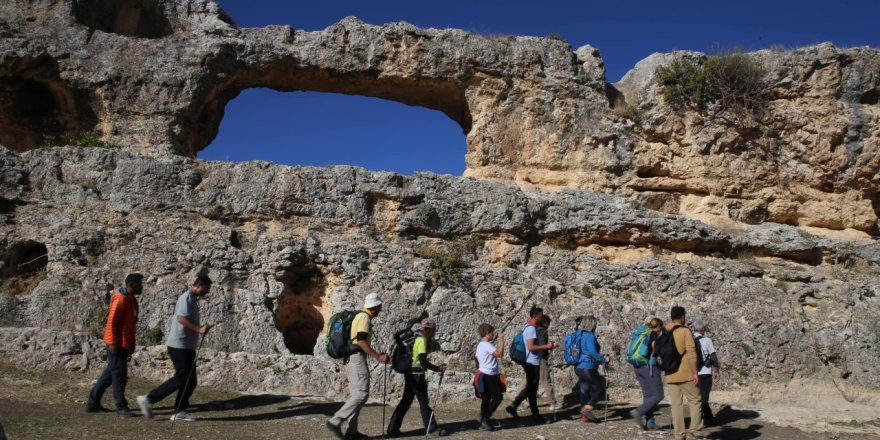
(154, 76)
(287, 246)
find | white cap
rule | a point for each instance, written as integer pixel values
(372, 300)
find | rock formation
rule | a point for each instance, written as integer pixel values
(287, 246)
(154, 76)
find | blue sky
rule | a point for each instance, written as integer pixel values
(308, 128)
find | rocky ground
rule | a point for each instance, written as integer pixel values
(49, 405)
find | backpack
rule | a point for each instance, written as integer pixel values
(666, 353)
(518, 352)
(339, 344)
(701, 362)
(572, 351)
(637, 352)
(401, 354)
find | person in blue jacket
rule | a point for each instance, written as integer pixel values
(591, 384)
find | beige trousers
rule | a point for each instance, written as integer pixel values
(678, 392)
(359, 389)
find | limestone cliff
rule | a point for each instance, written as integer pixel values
(154, 76)
(288, 246)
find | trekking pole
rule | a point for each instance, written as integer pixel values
(188, 377)
(384, 393)
(431, 419)
(553, 401)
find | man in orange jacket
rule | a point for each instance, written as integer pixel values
(119, 336)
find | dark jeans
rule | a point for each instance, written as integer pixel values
(414, 385)
(592, 386)
(116, 373)
(651, 381)
(531, 390)
(184, 361)
(492, 396)
(705, 389)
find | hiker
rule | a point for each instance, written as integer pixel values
(415, 384)
(182, 341)
(709, 372)
(682, 383)
(532, 366)
(490, 375)
(650, 378)
(357, 371)
(544, 377)
(591, 383)
(119, 333)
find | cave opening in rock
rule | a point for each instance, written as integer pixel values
(323, 129)
(298, 309)
(23, 267)
(132, 18)
(31, 111)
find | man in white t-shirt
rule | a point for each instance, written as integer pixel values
(709, 370)
(532, 367)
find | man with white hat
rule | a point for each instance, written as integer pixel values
(357, 370)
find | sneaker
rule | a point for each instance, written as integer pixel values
(485, 425)
(124, 412)
(335, 430)
(651, 425)
(512, 411)
(145, 405)
(638, 419)
(184, 416)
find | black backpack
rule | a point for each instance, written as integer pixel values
(339, 344)
(666, 353)
(701, 362)
(401, 354)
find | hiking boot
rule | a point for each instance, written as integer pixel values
(95, 407)
(184, 416)
(512, 411)
(638, 419)
(145, 405)
(124, 412)
(335, 430)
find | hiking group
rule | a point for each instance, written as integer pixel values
(673, 354)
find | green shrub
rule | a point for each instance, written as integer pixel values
(85, 139)
(154, 336)
(729, 82)
(94, 321)
(448, 262)
(557, 37)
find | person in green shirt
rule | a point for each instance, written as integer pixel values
(415, 384)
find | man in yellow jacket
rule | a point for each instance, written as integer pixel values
(682, 384)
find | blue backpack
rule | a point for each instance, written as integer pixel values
(518, 351)
(572, 352)
(637, 352)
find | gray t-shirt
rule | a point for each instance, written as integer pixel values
(180, 336)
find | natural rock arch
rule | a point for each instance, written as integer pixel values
(443, 96)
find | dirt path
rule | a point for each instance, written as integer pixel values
(50, 406)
